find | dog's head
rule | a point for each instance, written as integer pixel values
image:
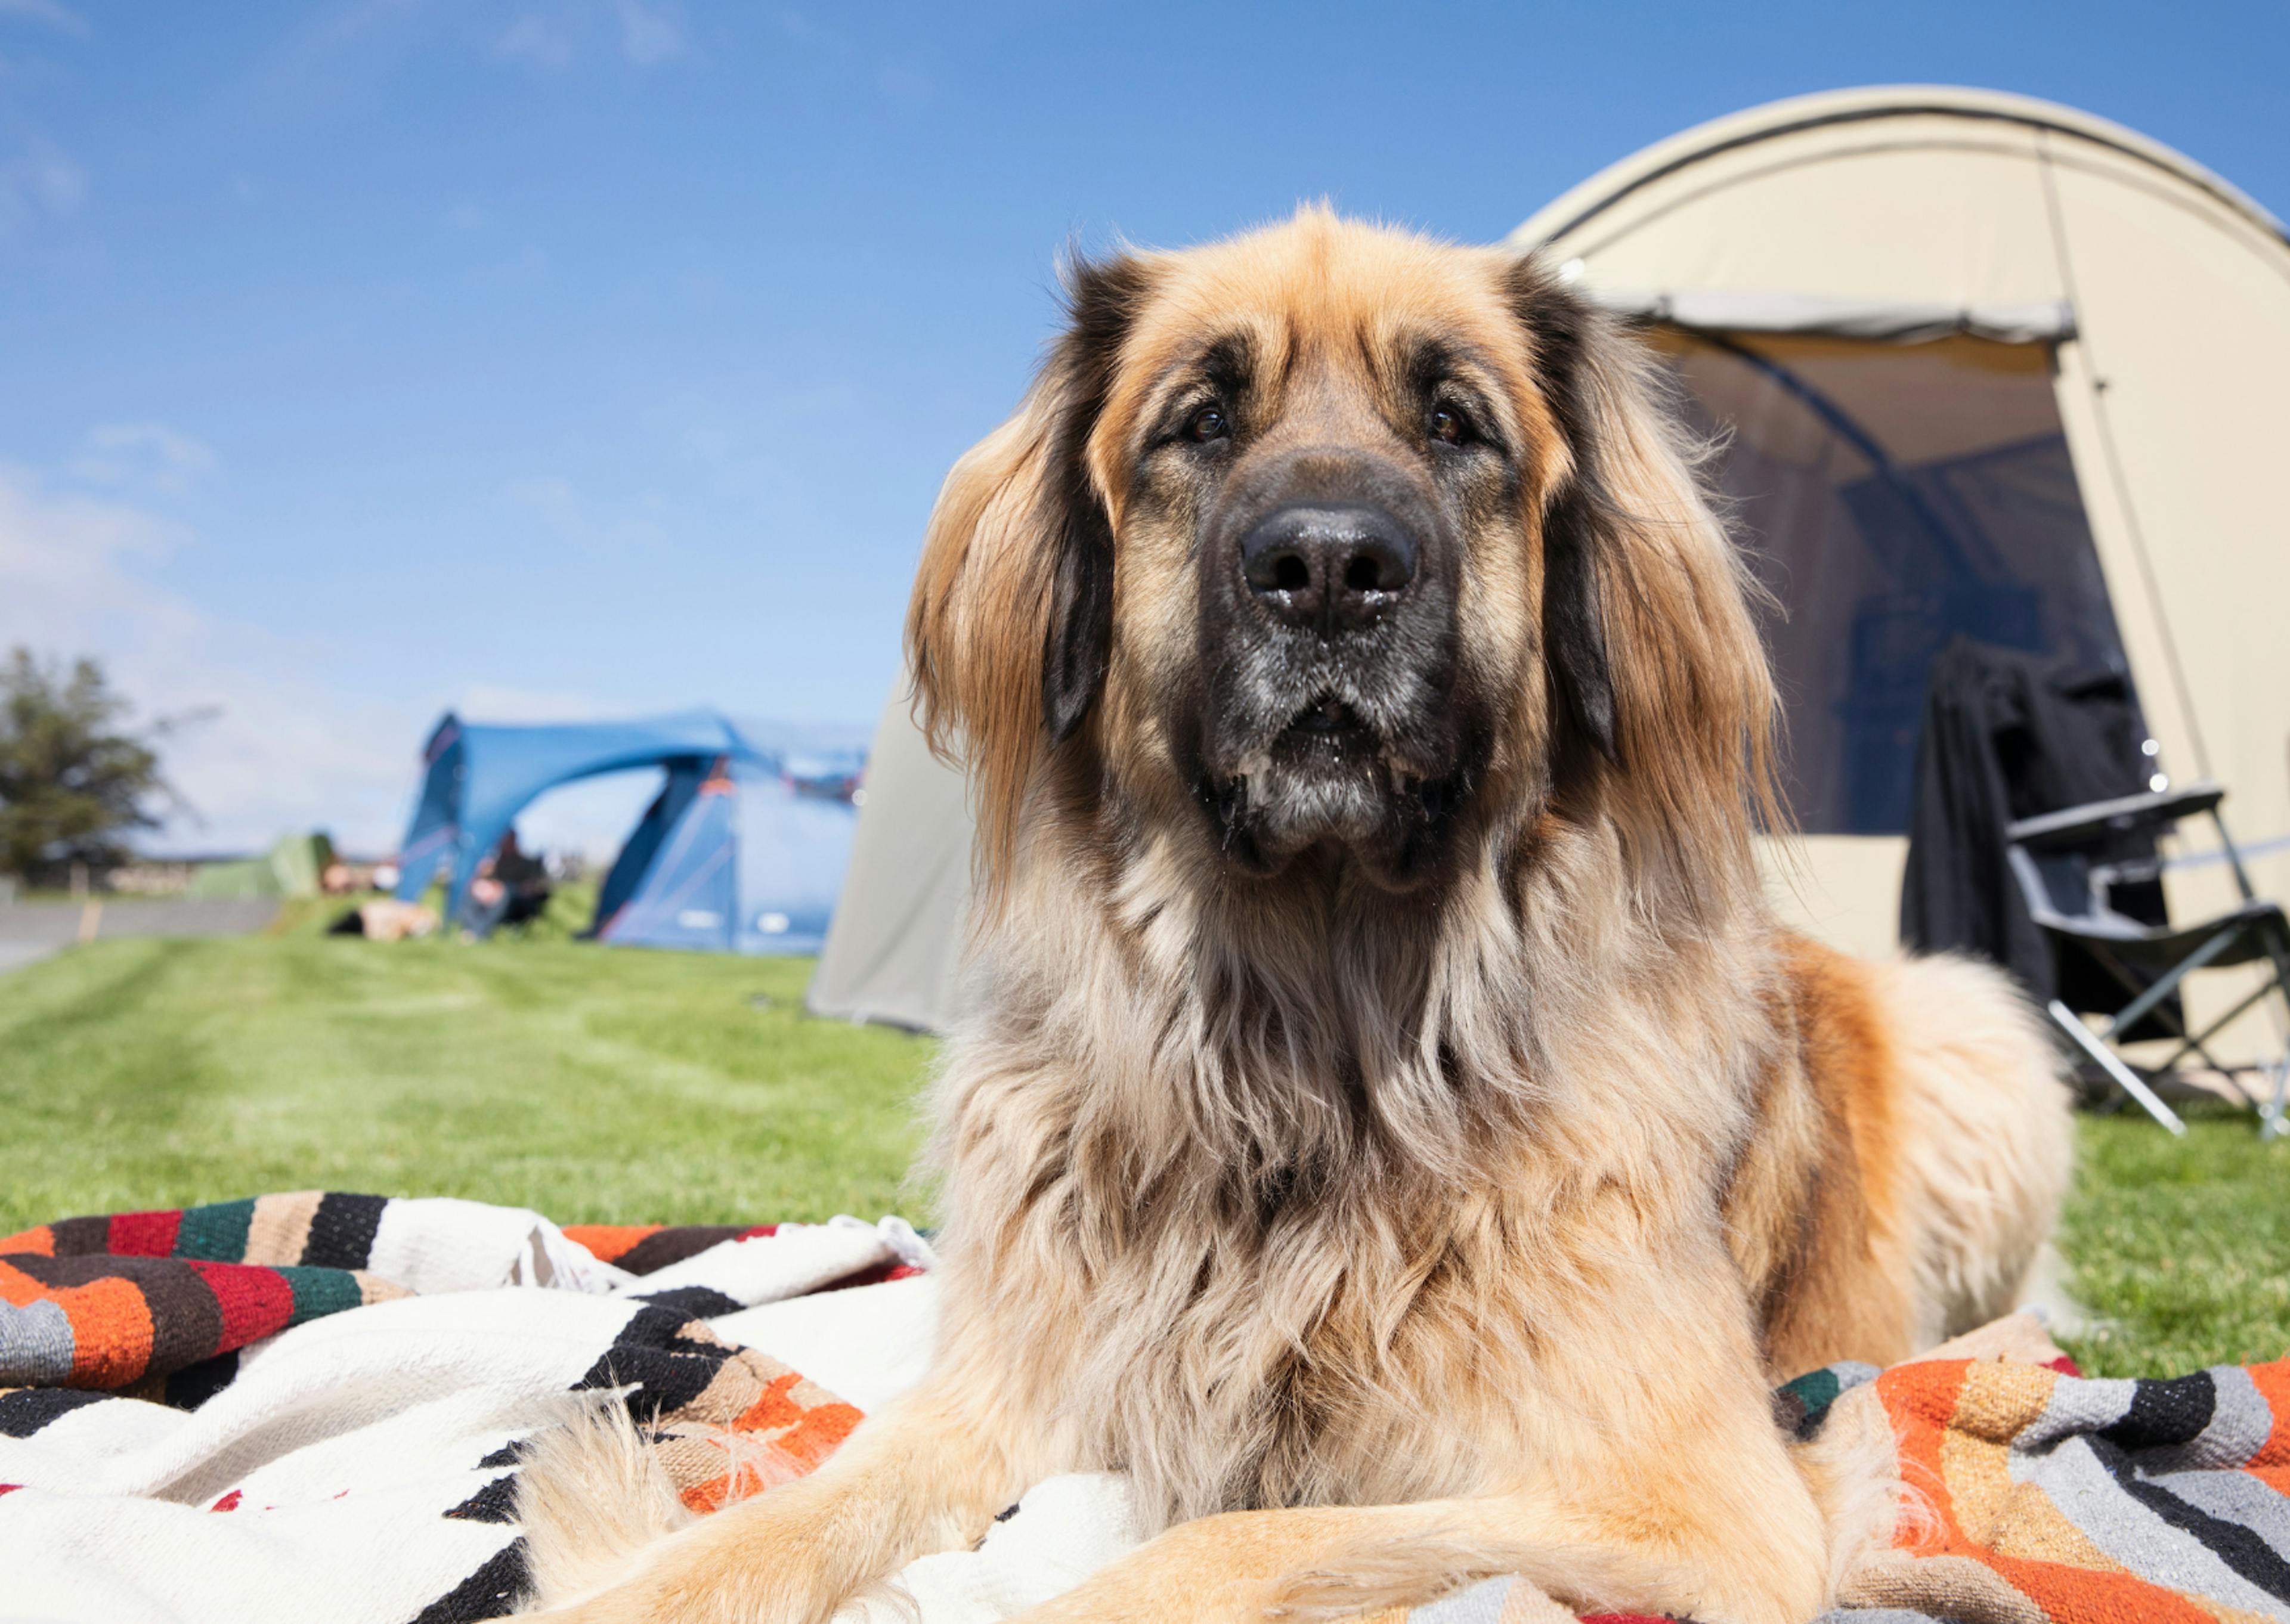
(1332, 539)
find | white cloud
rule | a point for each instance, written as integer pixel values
(283, 750)
(550, 36)
(493, 703)
(465, 217)
(533, 39)
(48, 11)
(40, 183)
(648, 35)
(143, 456)
(564, 514)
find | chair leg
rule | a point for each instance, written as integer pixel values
(2271, 1121)
(2127, 1080)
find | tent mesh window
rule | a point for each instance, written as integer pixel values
(1892, 496)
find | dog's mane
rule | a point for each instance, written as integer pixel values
(1177, 1069)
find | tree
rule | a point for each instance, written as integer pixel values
(74, 779)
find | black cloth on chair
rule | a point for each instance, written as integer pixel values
(2008, 735)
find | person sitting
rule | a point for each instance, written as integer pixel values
(512, 888)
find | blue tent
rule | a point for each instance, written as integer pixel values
(742, 851)
(746, 860)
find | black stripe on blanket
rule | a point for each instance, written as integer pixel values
(674, 1245)
(2241, 1549)
(24, 1410)
(2165, 1413)
(496, 1502)
(667, 1370)
(193, 1385)
(342, 1231)
(692, 1302)
(491, 1592)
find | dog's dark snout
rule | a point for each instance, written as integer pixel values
(1335, 568)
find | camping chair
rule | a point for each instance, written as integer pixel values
(2068, 893)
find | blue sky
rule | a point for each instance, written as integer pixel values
(551, 358)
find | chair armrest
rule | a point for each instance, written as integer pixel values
(2077, 825)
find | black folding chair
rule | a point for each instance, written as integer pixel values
(2067, 890)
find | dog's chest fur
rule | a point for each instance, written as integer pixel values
(1357, 1338)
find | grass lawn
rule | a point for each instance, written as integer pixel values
(602, 1084)
(592, 1084)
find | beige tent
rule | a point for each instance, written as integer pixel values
(892, 945)
(1985, 364)
(1978, 277)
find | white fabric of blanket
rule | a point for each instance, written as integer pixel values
(315, 1488)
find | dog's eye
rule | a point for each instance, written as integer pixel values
(1208, 423)
(1448, 425)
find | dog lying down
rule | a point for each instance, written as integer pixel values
(1389, 1124)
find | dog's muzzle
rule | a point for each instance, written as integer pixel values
(1328, 634)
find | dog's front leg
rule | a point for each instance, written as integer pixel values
(1352, 1563)
(926, 1474)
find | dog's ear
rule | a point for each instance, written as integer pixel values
(1560, 330)
(1647, 613)
(1009, 629)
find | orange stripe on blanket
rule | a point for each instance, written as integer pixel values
(18, 1289)
(2275, 1477)
(1920, 1400)
(775, 1406)
(819, 1435)
(2078, 1596)
(111, 1331)
(2273, 1384)
(41, 1243)
(814, 1432)
(1932, 1405)
(610, 1241)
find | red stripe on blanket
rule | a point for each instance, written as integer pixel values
(143, 1234)
(873, 1274)
(10, 1488)
(256, 1302)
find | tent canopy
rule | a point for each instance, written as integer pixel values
(1982, 364)
(736, 859)
(1979, 363)
(892, 951)
(478, 777)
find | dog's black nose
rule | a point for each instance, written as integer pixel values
(1333, 568)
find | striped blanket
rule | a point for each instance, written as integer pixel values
(310, 1407)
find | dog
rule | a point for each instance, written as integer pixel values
(1389, 1124)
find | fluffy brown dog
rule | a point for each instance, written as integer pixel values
(1389, 1124)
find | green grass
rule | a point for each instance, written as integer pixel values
(602, 1084)
(2180, 1246)
(592, 1084)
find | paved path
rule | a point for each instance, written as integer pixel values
(30, 930)
(14, 954)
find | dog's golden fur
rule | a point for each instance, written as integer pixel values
(1390, 1229)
